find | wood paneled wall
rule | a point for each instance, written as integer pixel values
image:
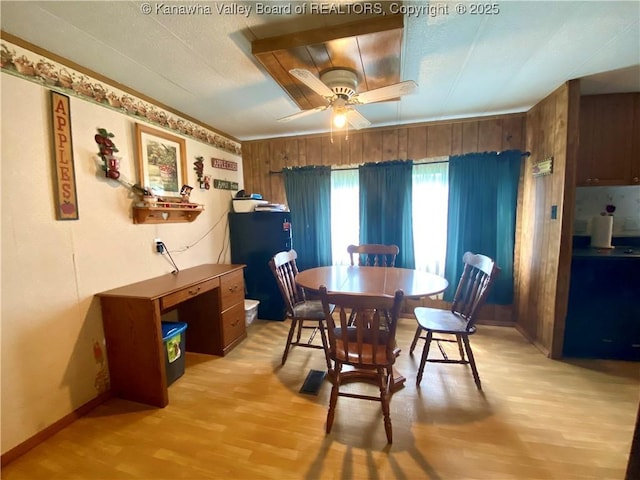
(263, 160)
(543, 244)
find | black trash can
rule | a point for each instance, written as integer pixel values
(173, 337)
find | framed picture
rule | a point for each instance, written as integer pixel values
(161, 161)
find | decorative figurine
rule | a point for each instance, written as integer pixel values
(185, 191)
(199, 168)
(110, 164)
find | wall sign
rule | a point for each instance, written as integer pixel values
(225, 184)
(65, 196)
(224, 164)
(543, 167)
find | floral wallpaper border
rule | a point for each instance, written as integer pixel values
(23, 63)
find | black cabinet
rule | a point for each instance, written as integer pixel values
(255, 238)
(603, 317)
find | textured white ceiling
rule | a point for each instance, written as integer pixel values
(465, 65)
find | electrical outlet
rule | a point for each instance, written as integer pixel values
(158, 246)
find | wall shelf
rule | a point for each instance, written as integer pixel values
(162, 214)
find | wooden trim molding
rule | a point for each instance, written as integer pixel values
(490, 314)
(534, 341)
(32, 442)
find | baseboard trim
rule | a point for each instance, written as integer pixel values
(495, 323)
(535, 342)
(490, 314)
(52, 429)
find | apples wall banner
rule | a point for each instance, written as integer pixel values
(65, 196)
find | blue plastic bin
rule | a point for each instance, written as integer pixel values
(173, 338)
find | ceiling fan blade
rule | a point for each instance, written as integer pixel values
(385, 93)
(356, 119)
(313, 82)
(302, 113)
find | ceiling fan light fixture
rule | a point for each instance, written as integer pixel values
(338, 88)
(341, 81)
(339, 118)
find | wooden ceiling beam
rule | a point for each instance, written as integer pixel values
(369, 47)
(325, 34)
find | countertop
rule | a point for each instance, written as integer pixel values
(616, 252)
(623, 247)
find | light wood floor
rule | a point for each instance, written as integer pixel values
(241, 417)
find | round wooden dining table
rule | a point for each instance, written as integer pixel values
(373, 281)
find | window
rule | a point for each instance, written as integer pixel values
(345, 213)
(430, 199)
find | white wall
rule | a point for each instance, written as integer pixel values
(591, 201)
(52, 269)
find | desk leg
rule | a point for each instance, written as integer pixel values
(135, 351)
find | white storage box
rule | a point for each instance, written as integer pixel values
(250, 310)
(246, 205)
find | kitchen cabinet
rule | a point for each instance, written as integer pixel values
(609, 147)
(603, 316)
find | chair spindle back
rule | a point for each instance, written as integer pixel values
(476, 281)
(284, 267)
(373, 254)
(362, 328)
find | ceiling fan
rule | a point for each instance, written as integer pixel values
(338, 87)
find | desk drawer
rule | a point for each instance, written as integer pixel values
(232, 289)
(233, 324)
(187, 293)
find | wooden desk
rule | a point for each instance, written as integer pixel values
(373, 280)
(209, 298)
(376, 281)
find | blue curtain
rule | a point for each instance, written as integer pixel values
(483, 193)
(308, 192)
(385, 207)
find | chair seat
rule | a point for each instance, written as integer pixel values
(309, 310)
(441, 321)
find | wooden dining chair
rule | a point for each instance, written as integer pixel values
(368, 345)
(304, 314)
(373, 254)
(457, 324)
